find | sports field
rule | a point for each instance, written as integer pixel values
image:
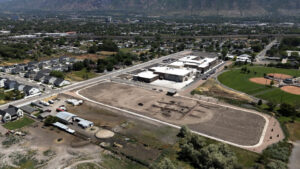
(237, 80)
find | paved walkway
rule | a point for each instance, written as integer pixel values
(294, 162)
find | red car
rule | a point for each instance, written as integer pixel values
(59, 110)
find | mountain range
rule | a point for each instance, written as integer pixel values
(229, 8)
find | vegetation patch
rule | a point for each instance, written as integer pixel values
(80, 75)
(11, 140)
(294, 131)
(87, 166)
(114, 162)
(25, 121)
(239, 80)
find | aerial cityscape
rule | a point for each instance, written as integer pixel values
(137, 84)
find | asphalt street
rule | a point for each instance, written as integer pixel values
(107, 76)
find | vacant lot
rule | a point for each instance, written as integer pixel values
(214, 89)
(80, 75)
(229, 124)
(18, 123)
(240, 81)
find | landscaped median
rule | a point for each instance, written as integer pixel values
(25, 121)
(241, 81)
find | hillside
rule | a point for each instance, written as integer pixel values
(234, 8)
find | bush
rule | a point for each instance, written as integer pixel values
(276, 165)
(50, 120)
(194, 149)
(57, 74)
(280, 151)
(259, 102)
(164, 164)
(287, 110)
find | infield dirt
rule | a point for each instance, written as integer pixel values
(291, 89)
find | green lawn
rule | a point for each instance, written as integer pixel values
(18, 123)
(240, 81)
(80, 75)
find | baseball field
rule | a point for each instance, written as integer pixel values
(250, 82)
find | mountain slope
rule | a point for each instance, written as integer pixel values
(166, 7)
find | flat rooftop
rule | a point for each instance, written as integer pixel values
(172, 71)
(147, 75)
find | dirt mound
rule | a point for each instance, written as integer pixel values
(261, 80)
(280, 76)
(291, 89)
(104, 134)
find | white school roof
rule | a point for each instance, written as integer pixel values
(177, 64)
(147, 75)
(189, 57)
(172, 71)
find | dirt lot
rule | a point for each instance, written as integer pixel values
(280, 76)
(139, 139)
(213, 89)
(291, 89)
(261, 80)
(52, 148)
(229, 124)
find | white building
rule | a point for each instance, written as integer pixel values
(11, 113)
(173, 74)
(201, 65)
(244, 58)
(65, 117)
(146, 76)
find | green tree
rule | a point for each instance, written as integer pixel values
(164, 164)
(57, 74)
(184, 132)
(50, 120)
(287, 110)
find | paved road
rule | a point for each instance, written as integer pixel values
(94, 80)
(294, 162)
(261, 55)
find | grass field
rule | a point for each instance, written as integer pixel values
(18, 123)
(240, 81)
(80, 75)
(112, 162)
(294, 131)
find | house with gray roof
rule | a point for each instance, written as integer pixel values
(11, 113)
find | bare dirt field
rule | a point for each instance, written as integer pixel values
(53, 148)
(261, 80)
(213, 89)
(280, 76)
(93, 57)
(291, 89)
(225, 123)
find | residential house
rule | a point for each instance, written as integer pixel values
(2, 82)
(19, 87)
(30, 74)
(11, 113)
(61, 82)
(7, 69)
(10, 84)
(28, 109)
(39, 77)
(30, 90)
(49, 80)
